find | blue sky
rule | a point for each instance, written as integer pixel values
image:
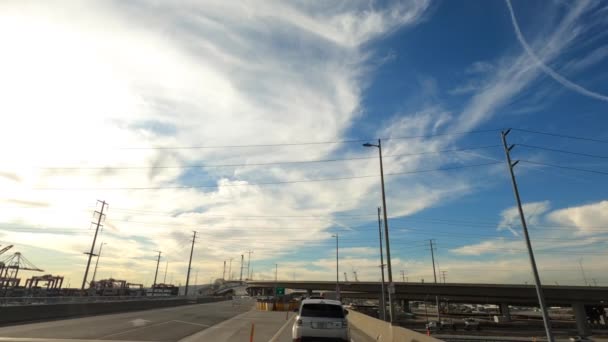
(179, 85)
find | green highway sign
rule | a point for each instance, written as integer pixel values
(280, 291)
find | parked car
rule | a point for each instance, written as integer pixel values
(442, 325)
(321, 318)
(471, 324)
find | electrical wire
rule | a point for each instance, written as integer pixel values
(563, 151)
(263, 164)
(565, 167)
(561, 135)
(307, 143)
(275, 183)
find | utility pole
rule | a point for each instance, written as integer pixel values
(345, 277)
(190, 263)
(580, 263)
(230, 270)
(249, 264)
(101, 217)
(403, 275)
(242, 264)
(276, 272)
(443, 275)
(382, 296)
(166, 268)
(435, 275)
(337, 270)
(156, 273)
(224, 273)
(539, 289)
(97, 261)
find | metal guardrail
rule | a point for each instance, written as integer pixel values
(16, 301)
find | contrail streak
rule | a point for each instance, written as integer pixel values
(546, 69)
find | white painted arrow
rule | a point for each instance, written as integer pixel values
(139, 322)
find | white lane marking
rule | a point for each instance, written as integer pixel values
(199, 335)
(278, 334)
(134, 329)
(192, 323)
(139, 322)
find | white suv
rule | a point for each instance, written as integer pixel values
(321, 320)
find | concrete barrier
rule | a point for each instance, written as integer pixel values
(30, 313)
(382, 331)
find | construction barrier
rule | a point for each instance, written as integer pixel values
(270, 305)
(29, 313)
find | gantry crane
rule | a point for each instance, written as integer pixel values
(5, 249)
(9, 269)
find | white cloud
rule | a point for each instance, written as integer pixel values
(587, 219)
(511, 220)
(112, 75)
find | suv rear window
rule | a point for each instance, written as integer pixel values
(322, 310)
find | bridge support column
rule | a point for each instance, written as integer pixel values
(309, 292)
(405, 305)
(580, 316)
(504, 311)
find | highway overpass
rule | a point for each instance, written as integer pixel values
(455, 292)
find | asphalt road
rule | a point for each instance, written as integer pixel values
(168, 324)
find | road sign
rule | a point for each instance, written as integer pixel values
(280, 291)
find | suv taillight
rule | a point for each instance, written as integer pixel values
(299, 322)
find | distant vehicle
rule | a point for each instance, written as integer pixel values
(580, 339)
(438, 326)
(321, 318)
(315, 297)
(471, 324)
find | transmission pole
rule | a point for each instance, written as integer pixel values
(97, 261)
(156, 273)
(166, 268)
(345, 277)
(249, 264)
(403, 275)
(224, 273)
(443, 275)
(580, 263)
(539, 289)
(230, 270)
(101, 216)
(435, 275)
(242, 264)
(190, 263)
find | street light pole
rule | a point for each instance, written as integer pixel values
(391, 286)
(382, 297)
(337, 270)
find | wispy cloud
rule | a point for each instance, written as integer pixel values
(532, 211)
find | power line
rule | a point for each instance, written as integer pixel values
(275, 183)
(261, 164)
(307, 143)
(565, 167)
(563, 151)
(561, 135)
